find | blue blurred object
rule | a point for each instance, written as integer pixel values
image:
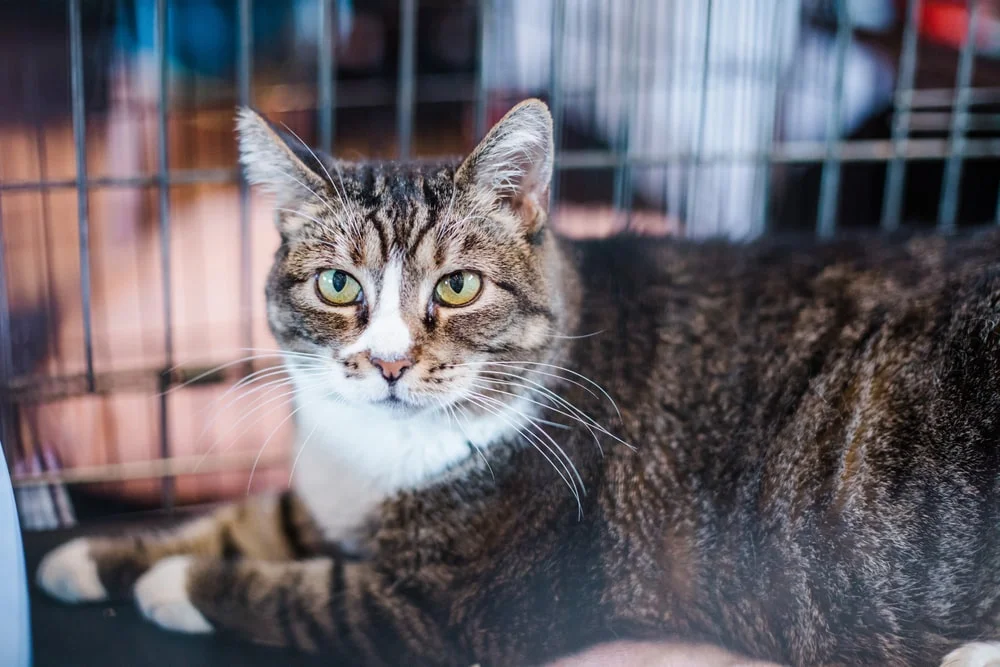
(202, 35)
(15, 634)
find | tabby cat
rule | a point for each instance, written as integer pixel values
(514, 446)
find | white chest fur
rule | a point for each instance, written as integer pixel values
(354, 457)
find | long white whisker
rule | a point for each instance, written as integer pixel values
(267, 441)
(270, 387)
(301, 215)
(521, 364)
(562, 401)
(212, 371)
(556, 450)
(302, 448)
(532, 442)
(250, 410)
(256, 376)
(575, 413)
(322, 200)
(468, 438)
(547, 406)
(323, 166)
(589, 335)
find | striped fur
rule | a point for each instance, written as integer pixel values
(815, 478)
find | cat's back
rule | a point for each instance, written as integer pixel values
(829, 412)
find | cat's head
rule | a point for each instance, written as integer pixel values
(405, 285)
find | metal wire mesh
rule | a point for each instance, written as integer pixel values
(686, 100)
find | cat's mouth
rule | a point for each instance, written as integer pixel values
(397, 406)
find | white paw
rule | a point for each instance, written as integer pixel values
(70, 574)
(162, 597)
(976, 654)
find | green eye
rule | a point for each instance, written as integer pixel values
(337, 287)
(458, 288)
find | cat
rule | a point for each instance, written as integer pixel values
(513, 446)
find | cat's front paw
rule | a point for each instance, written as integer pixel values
(162, 597)
(70, 574)
(975, 654)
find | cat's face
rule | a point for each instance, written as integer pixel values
(408, 286)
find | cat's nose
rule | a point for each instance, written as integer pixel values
(392, 370)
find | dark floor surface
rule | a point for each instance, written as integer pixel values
(112, 635)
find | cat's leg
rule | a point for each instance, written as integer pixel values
(350, 611)
(95, 568)
(974, 654)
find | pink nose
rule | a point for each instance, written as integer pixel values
(392, 370)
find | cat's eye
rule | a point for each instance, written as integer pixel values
(338, 288)
(458, 289)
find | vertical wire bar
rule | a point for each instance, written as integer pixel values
(772, 77)
(483, 69)
(556, 57)
(8, 433)
(160, 48)
(826, 215)
(621, 134)
(693, 178)
(407, 67)
(669, 167)
(892, 202)
(631, 100)
(326, 68)
(948, 207)
(245, 81)
(82, 203)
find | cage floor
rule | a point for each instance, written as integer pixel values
(106, 635)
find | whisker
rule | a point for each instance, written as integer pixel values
(301, 215)
(579, 415)
(315, 157)
(569, 406)
(589, 335)
(525, 435)
(211, 371)
(267, 441)
(547, 406)
(270, 387)
(531, 420)
(302, 448)
(468, 438)
(521, 364)
(262, 374)
(322, 200)
(250, 412)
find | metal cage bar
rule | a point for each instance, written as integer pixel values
(163, 165)
(623, 160)
(244, 76)
(83, 209)
(485, 27)
(556, 85)
(826, 215)
(696, 160)
(407, 73)
(326, 73)
(630, 99)
(892, 202)
(9, 441)
(948, 208)
(769, 121)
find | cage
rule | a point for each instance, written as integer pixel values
(136, 371)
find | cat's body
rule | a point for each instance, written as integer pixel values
(800, 460)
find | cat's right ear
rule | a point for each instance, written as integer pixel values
(278, 163)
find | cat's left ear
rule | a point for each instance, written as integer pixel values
(512, 165)
(277, 162)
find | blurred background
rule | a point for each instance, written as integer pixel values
(132, 255)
